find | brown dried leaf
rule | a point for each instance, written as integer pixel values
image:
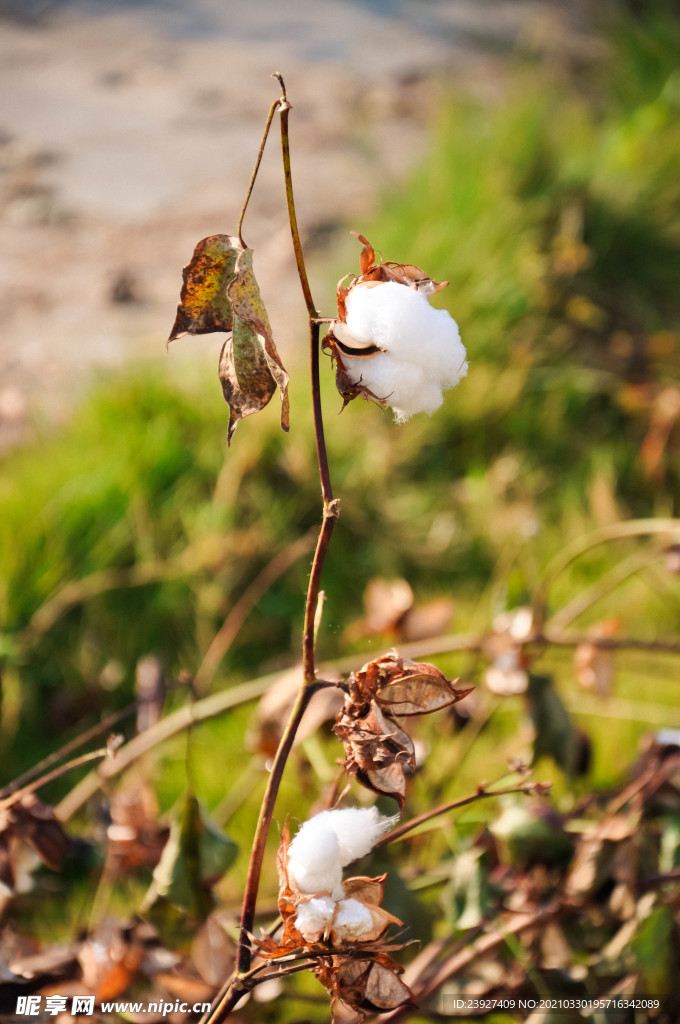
(135, 836)
(371, 984)
(406, 687)
(36, 824)
(390, 781)
(205, 306)
(376, 749)
(375, 739)
(220, 293)
(595, 666)
(250, 368)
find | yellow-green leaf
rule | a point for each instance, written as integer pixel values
(204, 305)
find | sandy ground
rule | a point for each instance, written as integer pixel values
(128, 131)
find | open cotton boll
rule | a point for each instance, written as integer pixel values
(358, 829)
(314, 858)
(422, 352)
(352, 921)
(313, 916)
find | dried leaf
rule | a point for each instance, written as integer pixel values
(275, 706)
(390, 781)
(37, 825)
(405, 687)
(376, 749)
(220, 293)
(252, 371)
(212, 951)
(204, 304)
(371, 985)
(135, 836)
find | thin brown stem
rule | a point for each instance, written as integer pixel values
(321, 455)
(284, 108)
(270, 118)
(169, 726)
(453, 965)
(330, 516)
(262, 831)
(105, 725)
(482, 794)
(56, 773)
(229, 997)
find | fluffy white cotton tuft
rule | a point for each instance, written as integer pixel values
(352, 921)
(313, 916)
(358, 829)
(423, 354)
(329, 842)
(314, 858)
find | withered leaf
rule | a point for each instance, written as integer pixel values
(253, 371)
(371, 985)
(204, 305)
(406, 687)
(220, 293)
(376, 749)
(36, 823)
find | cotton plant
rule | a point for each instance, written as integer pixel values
(391, 346)
(389, 343)
(338, 920)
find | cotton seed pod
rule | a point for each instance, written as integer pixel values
(390, 345)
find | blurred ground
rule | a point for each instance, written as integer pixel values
(128, 131)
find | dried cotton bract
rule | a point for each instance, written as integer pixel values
(390, 344)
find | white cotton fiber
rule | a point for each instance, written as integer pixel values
(423, 354)
(314, 858)
(352, 921)
(329, 842)
(358, 829)
(313, 916)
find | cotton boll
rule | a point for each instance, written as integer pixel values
(313, 916)
(422, 351)
(314, 857)
(357, 829)
(352, 921)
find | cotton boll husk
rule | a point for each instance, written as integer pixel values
(423, 354)
(314, 857)
(352, 921)
(313, 916)
(357, 829)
